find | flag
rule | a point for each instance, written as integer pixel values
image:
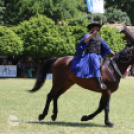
(95, 6)
(90, 5)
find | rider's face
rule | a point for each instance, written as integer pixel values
(95, 28)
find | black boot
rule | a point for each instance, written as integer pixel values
(100, 85)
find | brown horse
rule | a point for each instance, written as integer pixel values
(111, 71)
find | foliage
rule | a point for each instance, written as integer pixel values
(124, 5)
(100, 18)
(20, 10)
(113, 38)
(10, 43)
(60, 9)
(117, 15)
(40, 35)
(43, 38)
(17, 11)
(78, 28)
(2, 12)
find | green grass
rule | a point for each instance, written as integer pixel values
(72, 105)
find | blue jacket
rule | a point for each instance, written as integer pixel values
(80, 48)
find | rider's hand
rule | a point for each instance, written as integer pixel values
(112, 52)
(95, 33)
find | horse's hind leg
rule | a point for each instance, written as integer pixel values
(55, 110)
(66, 86)
(50, 96)
(55, 92)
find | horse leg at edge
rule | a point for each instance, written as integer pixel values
(55, 110)
(50, 96)
(104, 104)
(91, 116)
(65, 87)
(107, 122)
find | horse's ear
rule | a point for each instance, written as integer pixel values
(131, 48)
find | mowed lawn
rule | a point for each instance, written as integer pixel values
(19, 110)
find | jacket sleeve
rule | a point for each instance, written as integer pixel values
(105, 49)
(80, 48)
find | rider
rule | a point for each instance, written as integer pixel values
(88, 65)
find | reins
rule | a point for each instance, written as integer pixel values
(117, 69)
(128, 56)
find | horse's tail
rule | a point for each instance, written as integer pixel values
(41, 77)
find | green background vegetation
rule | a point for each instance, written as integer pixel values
(32, 26)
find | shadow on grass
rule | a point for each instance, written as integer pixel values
(66, 124)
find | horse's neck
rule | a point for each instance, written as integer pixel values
(122, 66)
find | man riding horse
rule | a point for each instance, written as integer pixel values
(88, 65)
(63, 70)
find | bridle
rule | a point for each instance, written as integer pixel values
(129, 57)
(117, 69)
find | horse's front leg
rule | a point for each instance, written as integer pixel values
(107, 122)
(104, 104)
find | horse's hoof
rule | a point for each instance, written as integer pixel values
(29, 91)
(53, 117)
(109, 124)
(90, 117)
(41, 117)
(84, 118)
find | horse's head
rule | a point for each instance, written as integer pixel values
(126, 55)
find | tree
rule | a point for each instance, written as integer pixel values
(113, 38)
(115, 15)
(124, 5)
(20, 10)
(2, 12)
(45, 39)
(10, 43)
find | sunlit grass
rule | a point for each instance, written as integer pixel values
(14, 101)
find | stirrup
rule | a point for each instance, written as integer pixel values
(103, 86)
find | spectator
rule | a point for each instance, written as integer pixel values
(3, 62)
(19, 68)
(29, 68)
(9, 62)
(128, 71)
(14, 60)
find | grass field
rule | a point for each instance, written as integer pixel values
(19, 110)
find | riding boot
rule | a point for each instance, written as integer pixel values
(100, 85)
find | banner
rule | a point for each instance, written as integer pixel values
(8, 71)
(95, 6)
(49, 76)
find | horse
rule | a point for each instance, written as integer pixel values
(112, 70)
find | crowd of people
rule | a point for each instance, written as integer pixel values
(26, 66)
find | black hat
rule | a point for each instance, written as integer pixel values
(94, 24)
